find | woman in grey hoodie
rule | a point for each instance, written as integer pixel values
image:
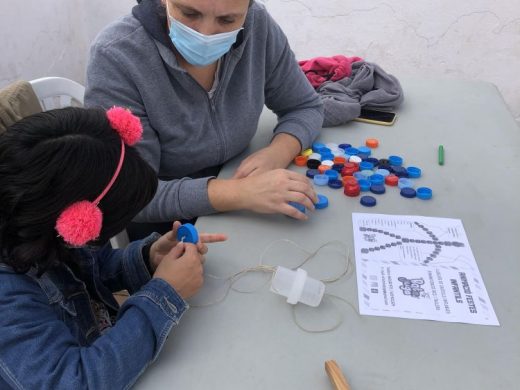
(198, 73)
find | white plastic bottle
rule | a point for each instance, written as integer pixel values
(297, 286)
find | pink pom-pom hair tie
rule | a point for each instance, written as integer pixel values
(81, 222)
(126, 124)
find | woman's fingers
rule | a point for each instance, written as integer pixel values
(293, 212)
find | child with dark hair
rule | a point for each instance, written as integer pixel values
(69, 180)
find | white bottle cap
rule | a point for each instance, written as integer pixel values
(297, 286)
(314, 156)
(355, 159)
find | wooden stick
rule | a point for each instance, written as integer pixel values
(336, 376)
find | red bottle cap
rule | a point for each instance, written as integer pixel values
(391, 180)
(352, 190)
(339, 160)
(349, 181)
(349, 169)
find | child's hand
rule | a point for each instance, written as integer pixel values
(164, 244)
(182, 269)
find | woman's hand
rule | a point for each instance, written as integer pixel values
(263, 160)
(268, 192)
(278, 154)
(166, 242)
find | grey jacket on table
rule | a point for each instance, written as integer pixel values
(369, 86)
(187, 133)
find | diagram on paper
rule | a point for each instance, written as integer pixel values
(418, 267)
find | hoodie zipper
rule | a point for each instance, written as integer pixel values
(213, 112)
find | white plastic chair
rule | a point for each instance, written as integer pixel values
(59, 92)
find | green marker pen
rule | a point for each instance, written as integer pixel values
(441, 155)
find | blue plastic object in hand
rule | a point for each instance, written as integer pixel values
(188, 233)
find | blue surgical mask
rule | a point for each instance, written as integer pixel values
(200, 49)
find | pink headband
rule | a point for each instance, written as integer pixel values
(81, 222)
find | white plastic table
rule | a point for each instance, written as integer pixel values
(249, 341)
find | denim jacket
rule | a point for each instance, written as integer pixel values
(49, 338)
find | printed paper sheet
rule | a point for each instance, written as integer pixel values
(420, 268)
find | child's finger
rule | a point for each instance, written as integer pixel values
(212, 237)
(172, 234)
(177, 251)
(203, 249)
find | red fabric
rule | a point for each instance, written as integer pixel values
(321, 69)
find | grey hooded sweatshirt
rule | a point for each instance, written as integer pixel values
(188, 135)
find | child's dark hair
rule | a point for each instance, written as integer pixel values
(51, 160)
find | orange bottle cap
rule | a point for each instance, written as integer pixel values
(300, 160)
(322, 168)
(372, 143)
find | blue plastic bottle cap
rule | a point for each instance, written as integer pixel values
(298, 206)
(364, 184)
(365, 150)
(377, 189)
(382, 172)
(359, 175)
(311, 173)
(395, 160)
(405, 183)
(321, 180)
(424, 193)
(327, 156)
(187, 233)
(338, 167)
(323, 202)
(323, 150)
(376, 179)
(399, 171)
(373, 160)
(365, 165)
(388, 167)
(335, 183)
(352, 151)
(408, 192)
(368, 201)
(367, 173)
(344, 146)
(317, 145)
(413, 172)
(332, 174)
